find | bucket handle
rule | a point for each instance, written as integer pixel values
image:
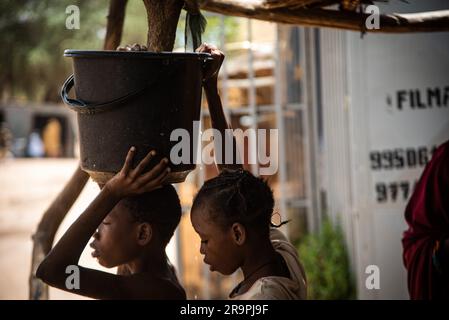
(90, 108)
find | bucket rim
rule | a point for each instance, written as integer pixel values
(133, 54)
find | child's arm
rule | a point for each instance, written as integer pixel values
(93, 283)
(217, 115)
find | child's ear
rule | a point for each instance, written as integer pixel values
(144, 233)
(238, 233)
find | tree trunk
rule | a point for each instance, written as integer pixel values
(163, 16)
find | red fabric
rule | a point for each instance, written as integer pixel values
(427, 215)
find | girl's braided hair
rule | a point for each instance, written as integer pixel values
(238, 196)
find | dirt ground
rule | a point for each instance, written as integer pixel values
(27, 187)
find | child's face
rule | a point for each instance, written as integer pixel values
(115, 242)
(218, 246)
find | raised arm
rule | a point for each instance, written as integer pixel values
(218, 119)
(68, 250)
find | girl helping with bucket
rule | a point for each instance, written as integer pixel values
(232, 215)
(132, 220)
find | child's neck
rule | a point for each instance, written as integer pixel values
(258, 263)
(261, 254)
(154, 262)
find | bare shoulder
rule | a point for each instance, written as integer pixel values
(148, 286)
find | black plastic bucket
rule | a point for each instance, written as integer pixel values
(126, 99)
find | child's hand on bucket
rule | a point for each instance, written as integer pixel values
(129, 181)
(134, 47)
(211, 69)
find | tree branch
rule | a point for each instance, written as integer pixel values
(114, 28)
(46, 230)
(316, 17)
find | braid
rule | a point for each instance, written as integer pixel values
(238, 196)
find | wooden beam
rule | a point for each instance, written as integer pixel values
(389, 23)
(276, 4)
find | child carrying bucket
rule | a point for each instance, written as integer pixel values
(132, 220)
(232, 215)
